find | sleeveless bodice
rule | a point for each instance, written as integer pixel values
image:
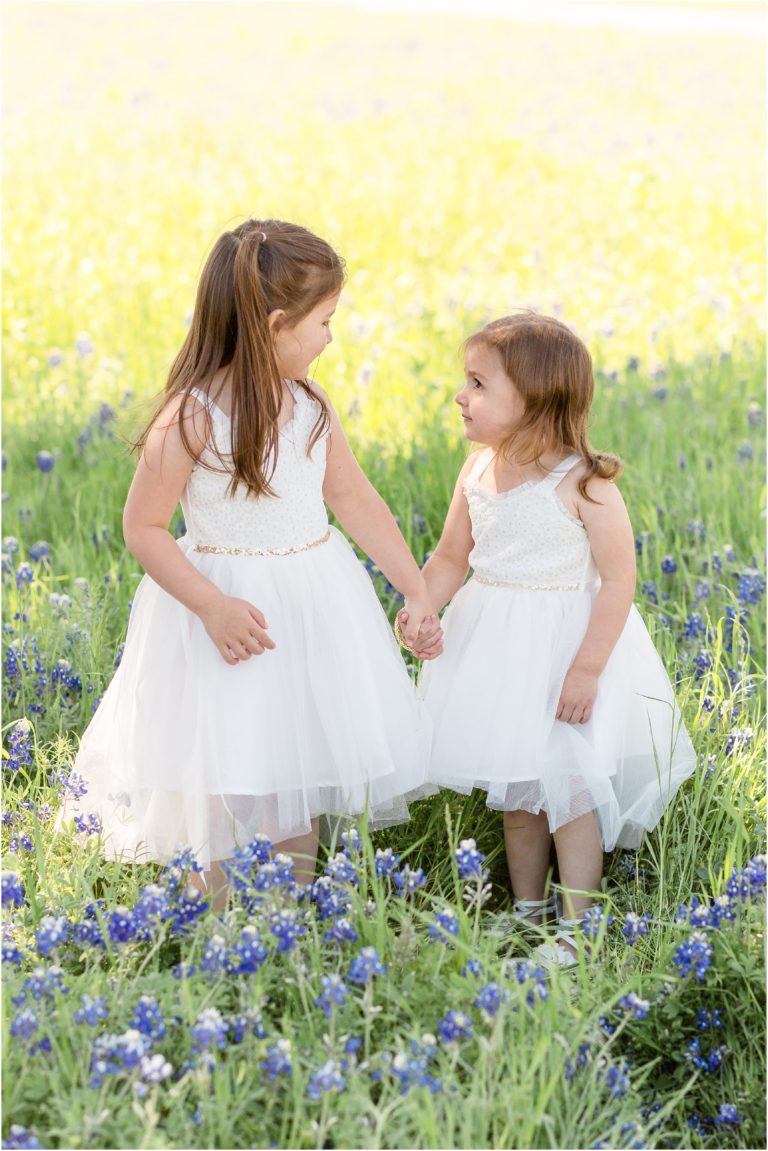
(525, 537)
(294, 517)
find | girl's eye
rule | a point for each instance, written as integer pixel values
(477, 383)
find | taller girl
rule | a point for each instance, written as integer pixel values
(550, 695)
(260, 684)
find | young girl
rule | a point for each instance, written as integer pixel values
(240, 705)
(550, 695)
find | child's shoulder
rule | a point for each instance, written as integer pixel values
(471, 462)
(189, 413)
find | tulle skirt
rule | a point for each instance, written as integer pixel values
(188, 751)
(493, 696)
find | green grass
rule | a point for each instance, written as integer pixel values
(612, 178)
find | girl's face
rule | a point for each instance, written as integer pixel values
(298, 347)
(491, 405)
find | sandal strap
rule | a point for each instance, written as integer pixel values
(566, 929)
(526, 908)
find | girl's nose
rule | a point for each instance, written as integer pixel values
(460, 398)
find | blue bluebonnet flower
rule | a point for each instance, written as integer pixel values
(706, 1020)
(472, 967)
(334, 993)
(341, 931)
(91, 1011)
(209, 1030)
(53, 932)
(20, 1139)
(69, 784)
(45, 461)
(148, 1017)
(120, 924)
(248, 955)
(176, 871)
(446, 924)
(592, 920)
(454, 1026)
(326, 1078)
(286, 928)
(635, 926)
(40, 550)
(386, 861)
(88, 823)
(42, 984)
(116, 1054)
(274, 874)
(529, 975)
(697, 528)
(702, 589)
(407, 881)
(738, 739)
(712, 1061)
(341, 869)
(617, 1079)
(693, 954)
(728, 1115)
(750, 881)
(353, 842)
(635, 1006)
(247, 1022)
(648, 589)
(19, 745)
(694, 625)
(188, 906)
(216, 956)
(277, 1060)
(329, 898)
(10, 952)
(470, 861)
(668, 565)
(151, 909)
(24, 1024)
(490, 998)
(751, 586)
(745, 451)
(152, 1069)
(12, 889)
(365, 965)
(411, 1068)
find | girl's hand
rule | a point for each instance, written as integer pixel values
(429, 641)
(578, 696)
(236, 627)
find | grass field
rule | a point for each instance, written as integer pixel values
(464, 167)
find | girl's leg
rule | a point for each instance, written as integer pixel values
(580, 859)
(527, 840)
(303, 851)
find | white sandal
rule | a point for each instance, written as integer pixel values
(523, 910)
(553, 954)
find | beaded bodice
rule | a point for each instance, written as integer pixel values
(294, 517)
(525, 537)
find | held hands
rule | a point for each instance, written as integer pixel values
(236, 627)
(425, 637)
(577, 697)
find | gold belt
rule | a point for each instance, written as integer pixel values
(212, 549)
(528, 586)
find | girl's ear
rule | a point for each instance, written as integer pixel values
(275, 320)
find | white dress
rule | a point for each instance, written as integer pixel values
(511, 634)
(188, 751)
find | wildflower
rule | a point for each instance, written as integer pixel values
(334, 993)
(152, 1069)
(12, 889)
(91, 1011)
(411, 1069)
(694, 625)
(728, 1115)
(709, 1019)
(353, 842)
(703, 589)
(120, 925)
(592, 919)
(750, 881)
(648, 589)
(151, 909)
(470, 861)
(751, 586)
(84, 345)
(341, 931)
(738, 739)
(635, 1006)
(341, 869)
(88, 824)
(745, 451)
(386, 861)
(248, 955)
(490, 998)
(693, 954)
(190, 905)
(40, 550)
(215, 956)
(634, 926)
(525, 972)
(365, 965)
(407, 881)
(70, 785)
(669, 565)
(113, 1054)
(25, 1024)
(326, 1078)
(277, 1060)
(54, 931)
(472, 967)
(697, 528)
(713, 1061)
(20, 745)
(20, 1139)
(45, 461)
(617, 1079)
(329, 898)
(209, 1030)
(286, 927)
(148, 1017)
(455, 1026)
(446, 924)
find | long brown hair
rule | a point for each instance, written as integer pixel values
(552, 370)
(258, 267)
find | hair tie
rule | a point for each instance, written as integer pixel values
(263, 237)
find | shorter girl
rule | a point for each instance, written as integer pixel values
(260, 685)
(550, 694)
